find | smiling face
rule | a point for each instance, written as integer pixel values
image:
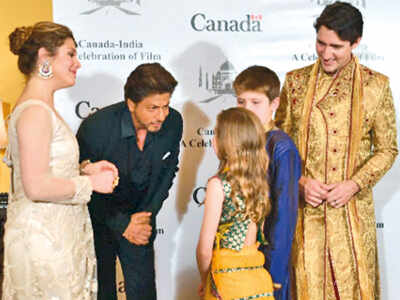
(333, 52)
(151, 112)
(65, 64)
(259, 104)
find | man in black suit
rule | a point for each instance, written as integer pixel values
(141, 136)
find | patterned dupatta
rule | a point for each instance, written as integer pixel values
(366, 287)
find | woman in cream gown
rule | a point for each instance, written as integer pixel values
(49, 252)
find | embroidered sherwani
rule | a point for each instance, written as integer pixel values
(344, 126)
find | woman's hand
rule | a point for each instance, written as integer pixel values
(95, 168)
(99, 173)
(103, 181)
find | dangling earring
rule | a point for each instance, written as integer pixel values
(45, 70)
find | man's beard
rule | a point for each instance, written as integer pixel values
(143, 125)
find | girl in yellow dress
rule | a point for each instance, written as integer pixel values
(237, 201)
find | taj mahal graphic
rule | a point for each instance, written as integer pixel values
(220, 82)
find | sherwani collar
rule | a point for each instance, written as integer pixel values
(356, 107)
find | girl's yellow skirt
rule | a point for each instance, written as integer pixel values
(238, 275)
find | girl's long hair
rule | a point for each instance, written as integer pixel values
(240, 143)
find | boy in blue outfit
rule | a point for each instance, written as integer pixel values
(257, 89)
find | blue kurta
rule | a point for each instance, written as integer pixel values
(283, 175)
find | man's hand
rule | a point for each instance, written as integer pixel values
(141, 217)
(313, 191)
(139, 230)
(341, 193)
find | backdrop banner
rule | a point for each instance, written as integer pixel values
(205, 44)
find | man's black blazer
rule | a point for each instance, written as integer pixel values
(104, 136)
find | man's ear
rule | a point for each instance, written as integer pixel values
(356, 43)
(131, 105)
(275, 103)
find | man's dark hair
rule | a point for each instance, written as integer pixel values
(344, 19)
(147, 80)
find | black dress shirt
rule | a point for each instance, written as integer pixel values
(145, 176)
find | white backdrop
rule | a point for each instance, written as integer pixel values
(205, 44)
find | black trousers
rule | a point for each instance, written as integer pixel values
(137, 264)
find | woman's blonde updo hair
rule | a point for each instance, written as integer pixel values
(26, 42)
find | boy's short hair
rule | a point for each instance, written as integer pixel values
(258, 79)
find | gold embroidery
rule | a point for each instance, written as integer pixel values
(333, 135)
